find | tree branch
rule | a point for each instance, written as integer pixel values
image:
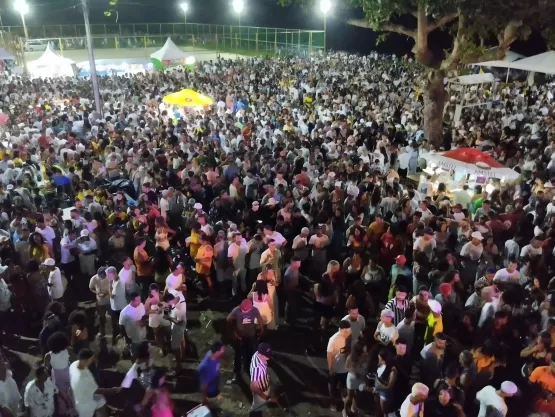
(442, 21)
(388, 27)
(458, 45)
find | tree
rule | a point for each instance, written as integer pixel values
(474, 26)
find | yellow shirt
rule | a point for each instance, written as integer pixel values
(203, 266)
(194, 244)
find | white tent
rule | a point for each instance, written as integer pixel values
(473, 79)
(544, 63)
(169, 52)
(506, 62)
(50, 64)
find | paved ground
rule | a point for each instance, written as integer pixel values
(80, 55)
(300, 376)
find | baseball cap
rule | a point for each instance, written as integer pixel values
(401, 258)
(428, 231)
(101, 271)
(509, 388)
(265, 349)
(387, 313)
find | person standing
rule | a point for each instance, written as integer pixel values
(100, 286)
(89, 398)
(291, 288)
(143, 264)
(260, 380)
(178, 319)
(337, 357)
(236, 254)
(87, 253)
(58, 360)
(131, 320)
(55, 284)
(244, 319)
(10, 399)
(68, 250)
(117, 300)
(40, 395)
(489, 396)
(209, 371)
(413, 406)
(203, 259)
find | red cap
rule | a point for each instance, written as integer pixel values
(401, 258)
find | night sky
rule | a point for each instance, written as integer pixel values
(257, 13)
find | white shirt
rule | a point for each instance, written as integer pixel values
(55, 285)
(40, 403)
(488, 396)
(119, 301)
(164, 207)
(174, 281)
(474, 252)
(48, 234)
(505, 276)
(129, 317)
(83, 386)
(336, 346)
(179, 312)
(65, 246)
(530, 251)
(9, 394)
(409, 409)
(278, 238)
(126, 275)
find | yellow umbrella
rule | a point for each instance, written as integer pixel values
(188, 98)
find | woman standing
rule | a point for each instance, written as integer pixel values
(356, 365)
(269, 277)
(386, 375)
(159, 396)
(57, 360)
(154, 309)
(163, 233)
(262, 300)
(39, 250)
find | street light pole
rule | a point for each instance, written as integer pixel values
(325, 7)
(92, 64)
(23, 8)
(238, 6)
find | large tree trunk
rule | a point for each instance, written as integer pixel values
(435, 96)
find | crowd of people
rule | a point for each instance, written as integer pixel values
(290, 191)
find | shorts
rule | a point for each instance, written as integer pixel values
(178, 333)
(352, 382)
(338, 379)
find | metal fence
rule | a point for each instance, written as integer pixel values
(241, 39)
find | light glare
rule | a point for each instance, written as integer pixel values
(325, 6)
(21, 6)
(238, 6)
(184, 7)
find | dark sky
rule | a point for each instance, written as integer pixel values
(262, 13)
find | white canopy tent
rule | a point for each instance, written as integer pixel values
(169, 52)
(50, 64)
(465, 84)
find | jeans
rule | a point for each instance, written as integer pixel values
(244, 349)
(292, 300)
(239, 279)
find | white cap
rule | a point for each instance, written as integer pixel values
(477, 235)
(435, 306)
(198, 206)
(9, 187)
(49, 262)
(509, 388)
(84, 233)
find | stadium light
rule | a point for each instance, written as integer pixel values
(238, 6)
(22, 7)
(325, 7)
(184, 8)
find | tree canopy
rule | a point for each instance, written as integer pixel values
(475, 26)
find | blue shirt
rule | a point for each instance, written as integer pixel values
(60, 180)
(209, 374)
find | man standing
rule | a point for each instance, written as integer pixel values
(244, 320)
(236, 254)
(40, 395)
(291, 287)
(89, 399)
(260, 380)
(337, 355)
(357, 322)
(100, 286)
(178, 319)
(68, 249)
(131, 320)
(413, 406)
(203, 259)
(489, 396)
(209, 372)
(55, 284)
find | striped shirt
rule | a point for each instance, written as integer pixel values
(398, 311)
(259, 373)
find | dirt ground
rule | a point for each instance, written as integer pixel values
(300, 378)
